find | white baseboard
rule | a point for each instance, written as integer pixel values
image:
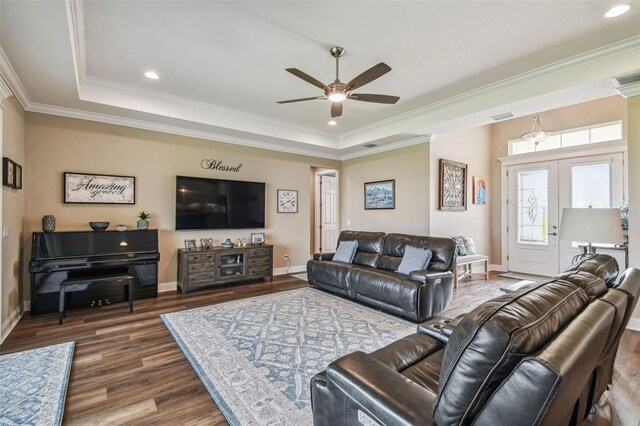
(634, 324)
(168, 286)
(498, 268)
(291, 270)
(9, 323)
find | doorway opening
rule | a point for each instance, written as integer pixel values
(324, 218)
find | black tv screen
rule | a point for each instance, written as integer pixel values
(218, 204)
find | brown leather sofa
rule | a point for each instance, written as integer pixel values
(540, 356)
(371, 278)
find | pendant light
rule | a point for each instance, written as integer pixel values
(536, 134)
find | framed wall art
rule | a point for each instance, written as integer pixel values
(453, 185)
(479, 190)
(8, 172)
(87, 188)
(380, 195)
(287, 201)
(18, 177)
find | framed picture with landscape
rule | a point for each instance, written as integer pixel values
(380, 195)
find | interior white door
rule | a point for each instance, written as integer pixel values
(533, 218)
(595, 181)
(329, 215)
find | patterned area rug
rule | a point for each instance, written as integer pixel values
(256, 356)
(33, 385)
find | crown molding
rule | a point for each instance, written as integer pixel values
(629, 90)
(175, 130)
(10, 79)
(581, 59)
(390, 147)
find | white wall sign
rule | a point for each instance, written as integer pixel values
(88, 188)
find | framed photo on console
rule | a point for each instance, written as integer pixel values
(257, 238)
(88, 188)
(206, 243)
(190, 244)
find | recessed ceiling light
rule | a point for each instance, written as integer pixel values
(617, 10)
(151, 75)
(332, 122)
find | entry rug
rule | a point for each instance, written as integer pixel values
(33, 385)
(256, 356)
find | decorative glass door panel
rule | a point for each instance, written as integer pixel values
(533, 206)
(591, 186)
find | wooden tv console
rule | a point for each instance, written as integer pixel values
(199, 268)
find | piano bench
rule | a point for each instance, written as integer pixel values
(72, 285)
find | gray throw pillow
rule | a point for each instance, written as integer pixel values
(462, 250)
(414, 259)
(469, 244)
(346, 251)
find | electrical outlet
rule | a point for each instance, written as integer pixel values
(286, 257)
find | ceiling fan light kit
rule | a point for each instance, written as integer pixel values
(337, 92)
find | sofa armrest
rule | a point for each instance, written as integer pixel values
(323, 256)
(427, 276)
(381, 392)
(440, 328)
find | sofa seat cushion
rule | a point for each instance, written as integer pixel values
(417, 357)
(329, 273)
(386, 287)
(490, 341)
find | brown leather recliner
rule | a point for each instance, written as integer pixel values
(541, 355)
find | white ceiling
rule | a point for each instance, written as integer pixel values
(221, 64)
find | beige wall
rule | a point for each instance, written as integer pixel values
(599, 111)
(473, 147)
(633, 137)
(13, 204)
(410, 168)
(56, 144)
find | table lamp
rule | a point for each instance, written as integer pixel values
(591, 226)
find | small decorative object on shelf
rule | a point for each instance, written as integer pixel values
(190, 244)
(206, 243)
(121, 227)
(227, 244)
(143, 222)
(257, 238)
(624, 219)
(48, 223)
(99, 226)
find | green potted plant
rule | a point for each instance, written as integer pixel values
(143, 220)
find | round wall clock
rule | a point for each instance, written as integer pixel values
(287, 201)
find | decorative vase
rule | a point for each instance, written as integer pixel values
(227, 244)
(143, 224)
(48, 223)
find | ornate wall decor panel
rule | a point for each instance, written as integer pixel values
(453, 185)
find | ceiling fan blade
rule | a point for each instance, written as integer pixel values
(301, 99)
(369, 75)
(336, 109)
(306, 77)
(380, 99)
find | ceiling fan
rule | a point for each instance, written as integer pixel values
(338, 91)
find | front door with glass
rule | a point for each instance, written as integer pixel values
(533, 218)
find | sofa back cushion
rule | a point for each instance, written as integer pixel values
(443, 251)
(600, 265)
(369, 246)
(591, 284)
(490, 341)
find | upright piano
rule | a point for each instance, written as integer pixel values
(56, 256)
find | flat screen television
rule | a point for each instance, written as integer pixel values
(218, 204)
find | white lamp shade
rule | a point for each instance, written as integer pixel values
(594, 226)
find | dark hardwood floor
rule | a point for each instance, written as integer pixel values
(127, 368)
